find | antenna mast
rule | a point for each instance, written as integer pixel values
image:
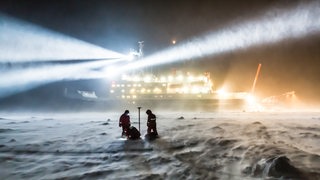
(141, 48)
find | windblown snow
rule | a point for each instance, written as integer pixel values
(221, 145)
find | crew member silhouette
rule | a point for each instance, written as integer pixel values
(124, 122)
(151, 123)
(133, 133)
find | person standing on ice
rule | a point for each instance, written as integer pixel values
(124, 122)
(151, 123)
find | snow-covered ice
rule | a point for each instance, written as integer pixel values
(192, 145)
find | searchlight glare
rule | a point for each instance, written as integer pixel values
(133, 54)
(35, 76)
(38, 44)
(35, 43)
(37, 49)
(273, 27)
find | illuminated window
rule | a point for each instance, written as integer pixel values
(132, 90)
(157, 90)
(162, 79)
(180, 78)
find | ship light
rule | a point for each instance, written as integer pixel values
(132, 91)
(136, 79)
(147, 79)
(190, 78)
(131, 56)
(157, 90)
(205, 90)
(180, 78)
(162, 79)
(250, 99)
(185, 90)
(124, 77)
(195, 90)
(222, 93)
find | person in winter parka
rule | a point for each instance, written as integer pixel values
(133, 133)
(151, 123)
(124, 122)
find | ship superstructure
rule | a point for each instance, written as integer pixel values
(176, 86)
(146, 86)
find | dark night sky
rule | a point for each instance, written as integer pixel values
(118, 25)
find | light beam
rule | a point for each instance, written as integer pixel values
(31, 56)
(21, 41)
(273, 27)
(19, 80)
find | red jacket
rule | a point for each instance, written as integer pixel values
(124, 120)
(151, 120)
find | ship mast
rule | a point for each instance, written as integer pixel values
(141, 48)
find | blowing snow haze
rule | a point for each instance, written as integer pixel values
(284, 36)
